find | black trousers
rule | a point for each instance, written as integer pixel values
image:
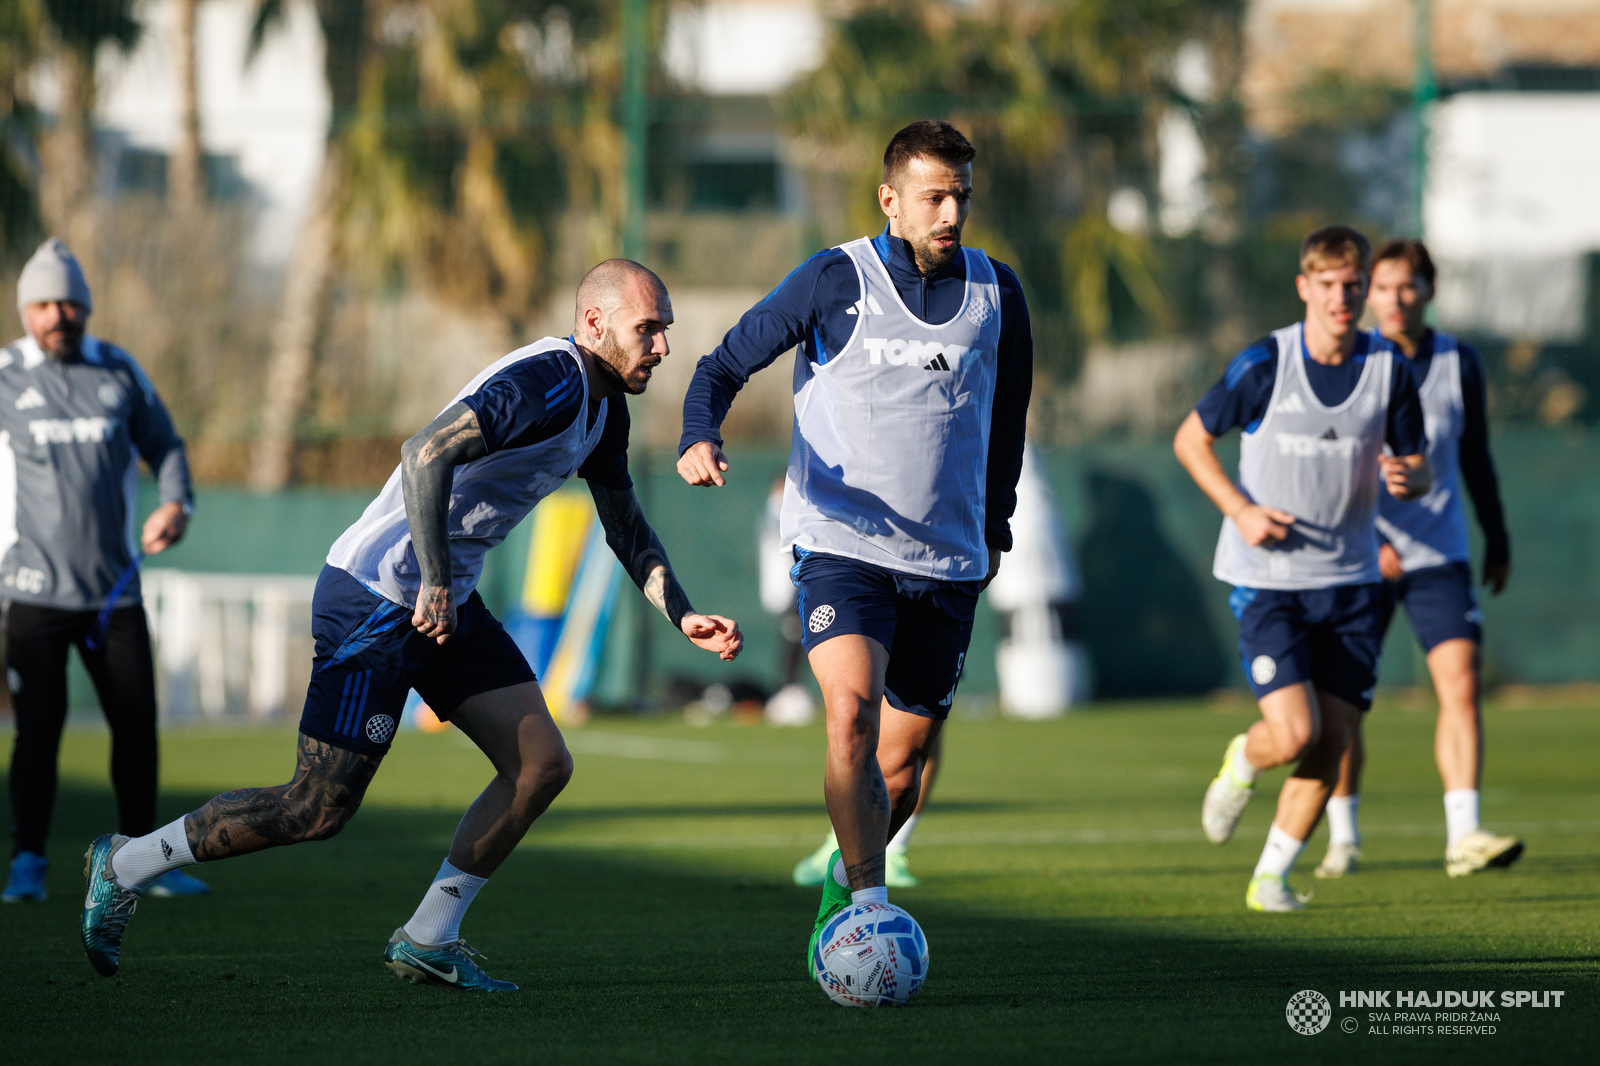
(37, 639)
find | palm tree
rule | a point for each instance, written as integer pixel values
(1062, 101)
(21, 43)
(75, 30)
(347, 43)
(186, 188)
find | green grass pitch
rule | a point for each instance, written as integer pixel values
(1074, 912)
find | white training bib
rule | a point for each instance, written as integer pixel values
(1319, 464)
(1432, 530)
(890, 452)
(487, 499)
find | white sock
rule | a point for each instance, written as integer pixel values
(143, 859)
(1242, 767)
(1460, 813)
(1280, 853)
(438, 917)
(1342, 828)
(870, 895)
(902, 839)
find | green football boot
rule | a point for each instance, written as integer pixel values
(107, 906)
(835, 898)
(813, 869)
(446, 965)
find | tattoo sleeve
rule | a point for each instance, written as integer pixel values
(326, 789)
(640, 551)
(427, 471)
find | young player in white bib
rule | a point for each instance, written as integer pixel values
(1317, 402)
(1426, 562)
(396, 609)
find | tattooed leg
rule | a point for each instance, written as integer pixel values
(326, 789)
(850, 671)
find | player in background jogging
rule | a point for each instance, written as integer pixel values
(396, 608)
(1316, 401)
(1427, 565)
(911, 383)
(77, 414)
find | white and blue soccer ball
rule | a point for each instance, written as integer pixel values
(871, 955)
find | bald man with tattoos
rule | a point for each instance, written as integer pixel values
(395, 609)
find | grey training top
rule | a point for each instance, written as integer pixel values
(72, 433)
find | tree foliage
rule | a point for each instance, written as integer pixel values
(1061, 100)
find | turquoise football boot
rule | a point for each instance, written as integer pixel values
(26, 878)
(107, 906)
(813, 869)
(447, 965)
(897, 870)
(835, 898)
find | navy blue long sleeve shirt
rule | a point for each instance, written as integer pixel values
(1477, 467)
(812, 309)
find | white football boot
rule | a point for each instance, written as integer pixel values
(1226, 798)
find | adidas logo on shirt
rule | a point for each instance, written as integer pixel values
(1294, 405)
(929, 355)
(30, 398)
(867, 305)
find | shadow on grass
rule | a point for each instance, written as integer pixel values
(639, 958)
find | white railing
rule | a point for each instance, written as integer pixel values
(229, 646)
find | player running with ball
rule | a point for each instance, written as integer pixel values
(911, 384)
(1317, 402)
(1426, 563)
(396, 609)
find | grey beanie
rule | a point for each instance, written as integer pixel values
(53, 274)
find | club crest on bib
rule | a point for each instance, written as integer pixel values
(821, 619)
(978, 310)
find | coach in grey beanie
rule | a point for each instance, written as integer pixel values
(53, 274)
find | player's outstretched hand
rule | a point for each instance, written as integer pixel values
(703, 463)
(1406, 476)
(714, 633)
(1258, 524)
(164, 528)
(1389, 563)
(1495, 575)
(435, 615)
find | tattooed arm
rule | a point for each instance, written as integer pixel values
(645, 560)
(326, 789)
(428, 463)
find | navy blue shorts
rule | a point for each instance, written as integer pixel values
(368, 657)
(1329, 637)
(1440, 602)
(925, 623)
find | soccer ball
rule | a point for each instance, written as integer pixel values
(871, 955)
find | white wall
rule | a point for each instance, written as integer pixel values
(748, 48)
(271, 115)
(1512, 208)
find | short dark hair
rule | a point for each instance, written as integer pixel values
(930, 138)
(1333, 245)
(1410, 251)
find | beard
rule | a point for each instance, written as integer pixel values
(61, 343)
(616, 365)
(931, 255)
